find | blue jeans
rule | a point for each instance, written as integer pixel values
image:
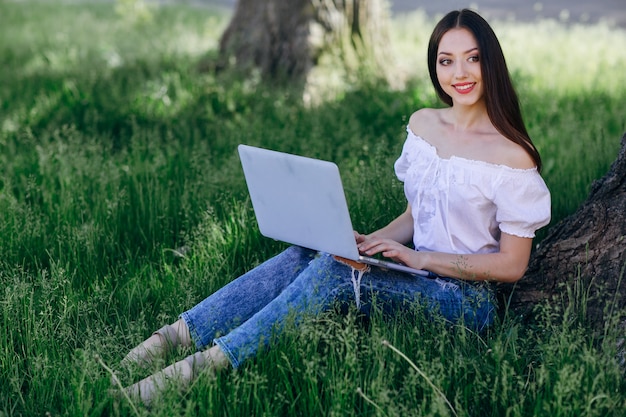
(242, 316)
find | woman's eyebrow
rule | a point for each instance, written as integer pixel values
(466, 52)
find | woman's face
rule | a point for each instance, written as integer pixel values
(458, 67)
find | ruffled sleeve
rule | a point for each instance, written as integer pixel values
(523, 203)
(402, 163)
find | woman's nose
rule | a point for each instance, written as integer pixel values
(459, 70)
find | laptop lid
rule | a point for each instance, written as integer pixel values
(299, 200)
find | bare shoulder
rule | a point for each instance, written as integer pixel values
(424, 120)
(423, 115)
(513, 155)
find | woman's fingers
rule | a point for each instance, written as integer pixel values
(359, 237)
(374, 246)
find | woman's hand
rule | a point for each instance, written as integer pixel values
(371, 245)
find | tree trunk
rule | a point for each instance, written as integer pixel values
(284, 40)
(584, 256)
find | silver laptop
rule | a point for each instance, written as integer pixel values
(301, 201)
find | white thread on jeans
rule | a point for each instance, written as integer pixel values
(356, 284)
(446, 285)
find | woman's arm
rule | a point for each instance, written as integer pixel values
(507, 265)
(399, 230)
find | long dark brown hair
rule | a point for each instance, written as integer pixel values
(501, 99)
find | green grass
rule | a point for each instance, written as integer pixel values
(115, 152)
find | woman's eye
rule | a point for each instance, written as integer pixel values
(445, 61)
(474, 58)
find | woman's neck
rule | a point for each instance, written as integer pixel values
(469, 118)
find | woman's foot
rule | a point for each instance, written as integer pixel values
(183, 371)
(164, 340)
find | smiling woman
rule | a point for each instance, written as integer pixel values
(100, 181)
(470, 220)
(463, 54)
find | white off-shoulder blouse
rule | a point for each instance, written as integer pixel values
(461, 205)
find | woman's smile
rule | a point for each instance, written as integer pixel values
(464, 88)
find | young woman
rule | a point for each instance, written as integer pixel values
(475, 200)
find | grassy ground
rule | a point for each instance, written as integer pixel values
(115, 152)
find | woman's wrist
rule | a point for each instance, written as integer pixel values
(421, 260)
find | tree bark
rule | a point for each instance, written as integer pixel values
(284, 40)
(583, 257)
